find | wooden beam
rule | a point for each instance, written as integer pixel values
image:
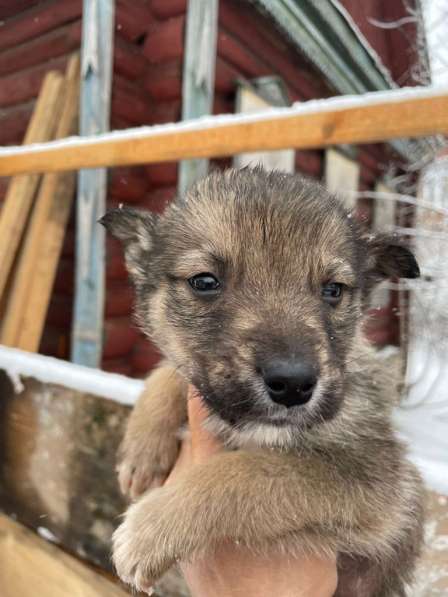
(29, 297)
(97, 52)
(198, 83)
(21, 191)
(377, 116)
(31, 566)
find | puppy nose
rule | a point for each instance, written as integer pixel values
(290, 383)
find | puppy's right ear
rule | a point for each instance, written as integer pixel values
(135, 229)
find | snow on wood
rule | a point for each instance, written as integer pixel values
(376, 116)
(18, 364)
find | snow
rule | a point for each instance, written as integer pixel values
(47, 534)
(206, 122)
(416, 422)
(18, 364)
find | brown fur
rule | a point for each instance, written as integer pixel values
(328, 476)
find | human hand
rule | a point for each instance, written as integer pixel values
(232, 570)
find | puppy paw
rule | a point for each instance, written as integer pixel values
(142, 543)
(145, 460)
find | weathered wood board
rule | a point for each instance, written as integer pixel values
(32, 566)
(57, 475)
(57, 469)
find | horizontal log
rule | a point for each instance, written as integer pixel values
(13, 123)
(120, 336)
(119, 123)
(165, 9)
(119, 299)
(37, 51)
(116, 267)
(132, 18)
(145, 356)
(257, 34)
(130, 101)
(163, 174)
(24, 85)
(11, 9)
(164, 81)
(128, 60)
(37, 20)
(361, 119)
(240, 55)
(165, 40)
(226, 77)
(156, 201)
(128, 184)
(165, 112)
(122, 365)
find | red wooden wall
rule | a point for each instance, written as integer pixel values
(39, 35)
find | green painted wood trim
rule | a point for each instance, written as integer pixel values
(321, 32)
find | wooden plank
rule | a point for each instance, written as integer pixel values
(58, 458)
(29, 297)
(368, 118)
(97, 56)
(21, 190)
(198, 83)
(31, 566)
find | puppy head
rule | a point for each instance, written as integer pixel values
(252, 285)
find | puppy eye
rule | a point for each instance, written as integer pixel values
(332, 293)
(205, 284)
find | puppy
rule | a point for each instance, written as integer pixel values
(253, 287)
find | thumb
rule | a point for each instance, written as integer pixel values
(203, 443)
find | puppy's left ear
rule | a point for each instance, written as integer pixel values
(388, 258)
(135, 229)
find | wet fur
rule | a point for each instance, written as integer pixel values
(326, 477)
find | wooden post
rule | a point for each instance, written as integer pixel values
(198, 85)
(28, 299)
(96, 75)
(21, 190)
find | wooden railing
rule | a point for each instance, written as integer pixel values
(374, 117)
